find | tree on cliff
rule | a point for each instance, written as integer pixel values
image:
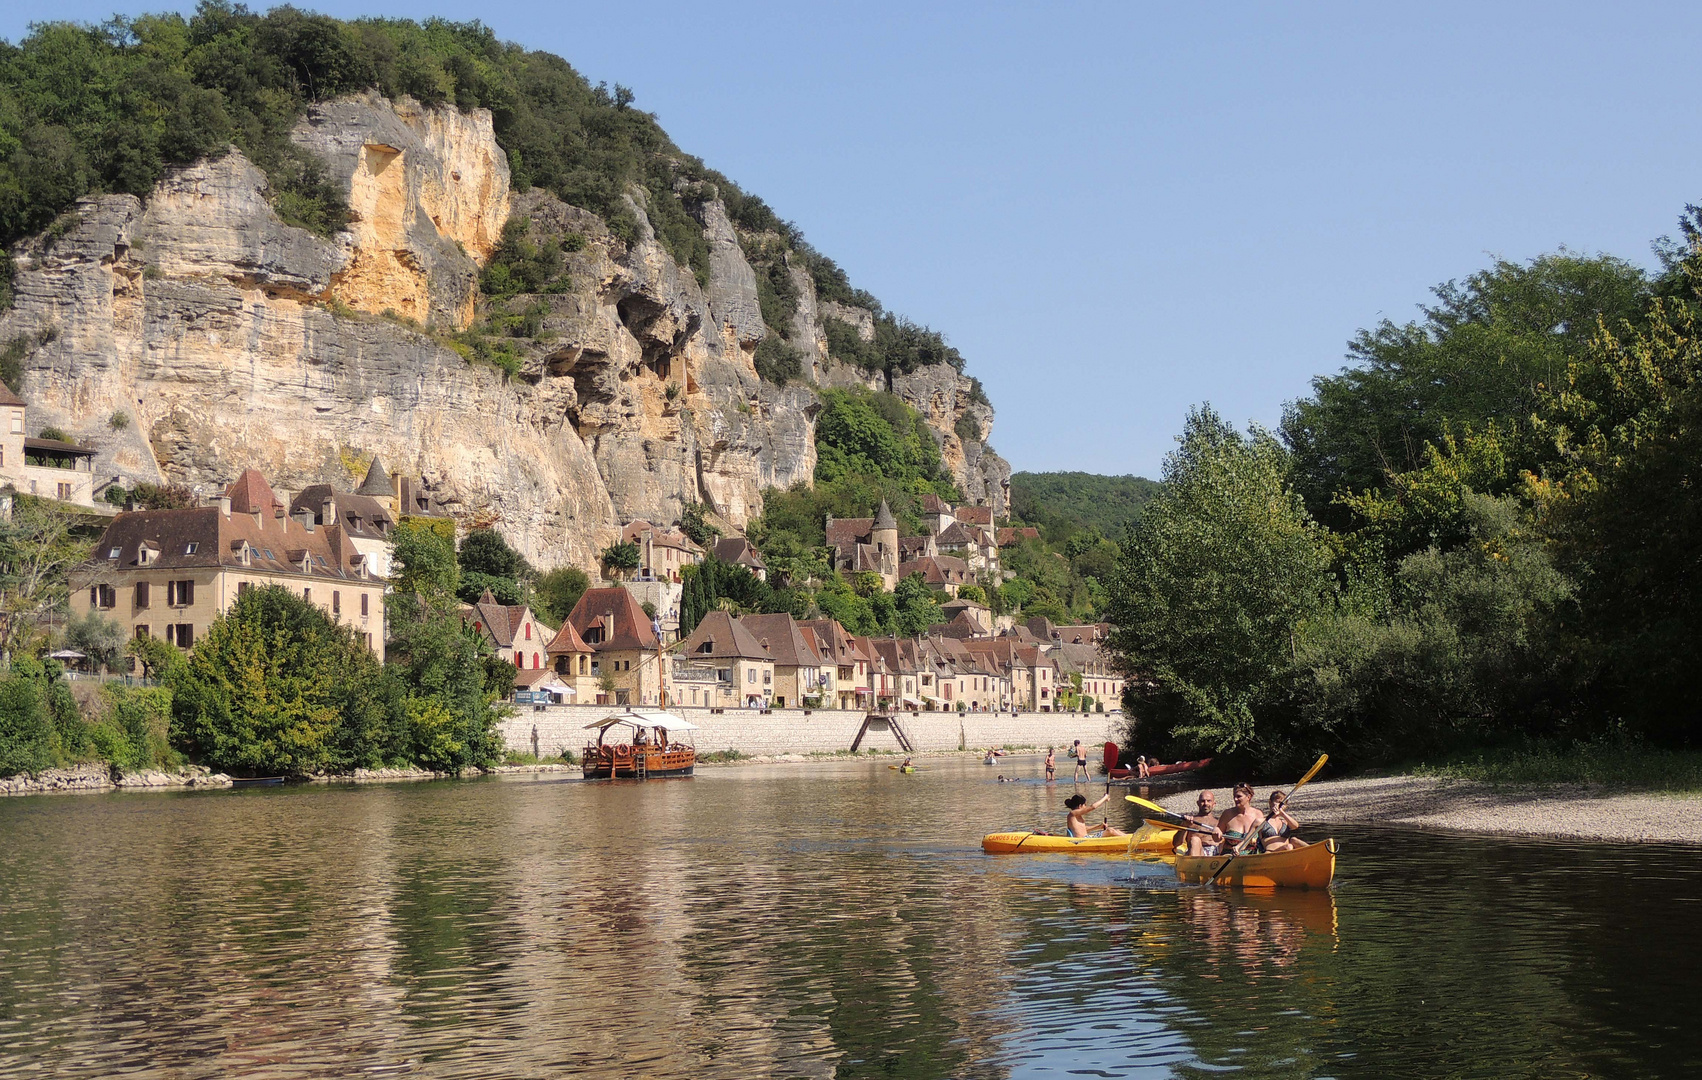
(487, 562)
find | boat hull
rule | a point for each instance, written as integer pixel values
(1026, 843)
(636, 763)
(1158, 772)
(1311, 867)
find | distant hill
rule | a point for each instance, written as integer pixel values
(1062, 502)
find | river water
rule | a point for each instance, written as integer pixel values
(819, 920)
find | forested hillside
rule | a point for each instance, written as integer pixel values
(1481, 533)
(1062, 502)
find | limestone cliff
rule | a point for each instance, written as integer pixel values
(192, 334)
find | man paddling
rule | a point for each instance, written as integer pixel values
(1079, 808)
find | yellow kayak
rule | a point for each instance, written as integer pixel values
(1145, 840)
(1302, 868)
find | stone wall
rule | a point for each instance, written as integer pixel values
(798, 731)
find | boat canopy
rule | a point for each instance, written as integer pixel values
(665, 721)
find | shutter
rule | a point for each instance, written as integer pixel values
(171, 596)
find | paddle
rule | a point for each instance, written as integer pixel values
(1252, 834)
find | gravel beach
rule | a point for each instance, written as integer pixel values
(1428, 802)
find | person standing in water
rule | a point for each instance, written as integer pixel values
(1081, 764)
(1051, 765)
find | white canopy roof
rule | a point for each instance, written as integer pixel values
(667, 721)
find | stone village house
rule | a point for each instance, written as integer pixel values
(170, 573)
(721, 664)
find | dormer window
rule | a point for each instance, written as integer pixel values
(191, 548)
(706, 647)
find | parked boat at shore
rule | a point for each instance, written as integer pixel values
(649, 752)
(1154, 772)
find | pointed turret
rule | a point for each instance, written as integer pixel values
(377, 483)
(884, 518)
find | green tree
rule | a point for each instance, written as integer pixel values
(27, 742)
(101, 639)
(1216, 581)
(555, 592)
(447, 714)
(620, 558)
(38, 548)
(424, 559)
(276, 686)
(1482, 351)
(915, 606)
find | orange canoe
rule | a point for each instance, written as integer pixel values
(1303, 868)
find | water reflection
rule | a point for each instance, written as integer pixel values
(820, 921)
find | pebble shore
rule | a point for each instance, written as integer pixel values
(1469, 806)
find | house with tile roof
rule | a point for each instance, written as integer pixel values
(623, 647)
(942, 573)
(569, 656)
(366, 521)
(512, 630)
(721, 664)
(48, 468)
(800, 672)
(170, 573)
(739, 551)
(851, 686)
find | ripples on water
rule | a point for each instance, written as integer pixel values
(800, 921)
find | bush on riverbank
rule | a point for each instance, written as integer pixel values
(276, 687)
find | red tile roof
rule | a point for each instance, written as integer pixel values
(623, 623)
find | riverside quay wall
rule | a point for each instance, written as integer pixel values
(823, 731)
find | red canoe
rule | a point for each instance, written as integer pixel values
(1117, 772)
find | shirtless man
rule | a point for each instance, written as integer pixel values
(1079, 808)
(1205, 816)
(1081, 763)
(1051, 765)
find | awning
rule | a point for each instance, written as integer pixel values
(911, 701)
(67, 654)
(645, 720)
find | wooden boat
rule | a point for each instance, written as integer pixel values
(1119, 772)
(1147, 840)
(1311, 867)
(650, 751)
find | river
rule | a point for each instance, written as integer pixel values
(817, 920)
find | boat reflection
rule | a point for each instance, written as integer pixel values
(1263, 933)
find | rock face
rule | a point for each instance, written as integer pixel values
(228, 339)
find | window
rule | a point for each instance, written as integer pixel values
(179, 593)
(64, 492)
(583, 660)
(191, 548)
(535, 661)
(519, 659)
(528, 631)
(706, 647)
(307, 594)
(142, 633)
(17, 422)
(363, 599)
(114, 553)
(750, 675)
(141, 595)
(242, 587)
(181, 634)
(336, 602)
(268, 552)
(103, 596)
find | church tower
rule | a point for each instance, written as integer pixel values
(884, 536)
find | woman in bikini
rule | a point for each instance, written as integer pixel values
(1276, 833)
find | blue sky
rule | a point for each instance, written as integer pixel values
(1117, 211)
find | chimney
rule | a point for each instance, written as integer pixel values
(328, 512)
(224, 505)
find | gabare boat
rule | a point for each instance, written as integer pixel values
(1312, 867)
(649, 751)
